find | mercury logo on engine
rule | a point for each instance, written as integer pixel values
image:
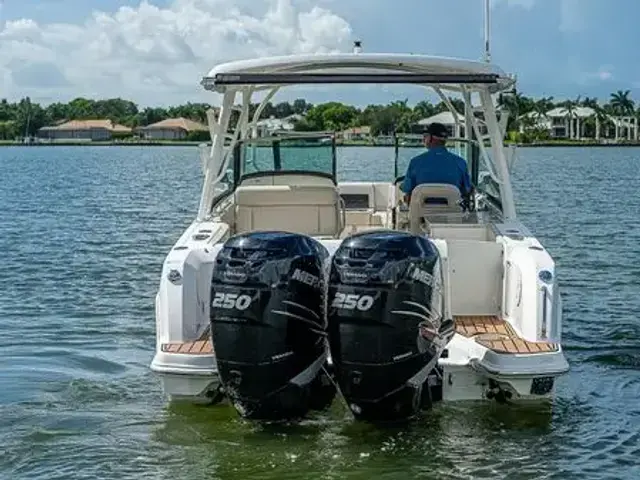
(237, 276)
(231, 300)
(352, 301)
(305, 277)
(354, 276)
(422, 276)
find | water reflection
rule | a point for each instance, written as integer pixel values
(446, 441)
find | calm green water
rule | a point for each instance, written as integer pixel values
(83, 233)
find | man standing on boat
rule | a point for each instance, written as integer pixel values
(437, 165)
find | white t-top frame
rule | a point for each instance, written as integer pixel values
(470, 79)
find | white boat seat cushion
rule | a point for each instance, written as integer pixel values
(307, 209)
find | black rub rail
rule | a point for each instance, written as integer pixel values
(348, 78)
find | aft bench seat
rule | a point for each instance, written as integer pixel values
(308, 209)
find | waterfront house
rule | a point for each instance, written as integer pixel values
(564, 124)
(268, 126)
(171, 129)
(448, 120)
(625, 127)
(580, 123)
(356, 133)
(84, 130)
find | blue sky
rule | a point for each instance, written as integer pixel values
(155, 52)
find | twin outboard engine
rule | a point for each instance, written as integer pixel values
(386, 328)
(268, 324)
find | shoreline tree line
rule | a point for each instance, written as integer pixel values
(24, 118)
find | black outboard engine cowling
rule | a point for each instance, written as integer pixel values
(386, 330)
(268, 324)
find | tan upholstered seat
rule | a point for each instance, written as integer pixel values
(308, 209)
(418, 209)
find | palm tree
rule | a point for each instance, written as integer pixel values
(601, 118)
(598, 118)
(544, 102)
(578, 127)
(423, 109)
(539, 111)
(569, 106)
(622, 106)
(512, 101)
(621, 102)
(590, 102)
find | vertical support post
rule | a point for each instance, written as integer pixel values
(334, 158)
(395, 156)
(487, 26)
(483, 150)
(499, 157)
(468, 126)
(275, 150)
(448, 103)
(244, 115)
(216, 155)
(260, 109)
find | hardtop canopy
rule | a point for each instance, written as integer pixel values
(354, 68)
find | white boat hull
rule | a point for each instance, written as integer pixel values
(472, 372)
(527, 378)
(516, 296)
(187, 378)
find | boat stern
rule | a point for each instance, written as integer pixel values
(187, 377)
(475, 370)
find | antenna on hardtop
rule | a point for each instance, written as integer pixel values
(357, 46)
(487, 12)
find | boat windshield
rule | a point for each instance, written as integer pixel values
(303, 154)
(315, 154)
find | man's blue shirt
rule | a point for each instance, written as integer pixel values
(437, 165)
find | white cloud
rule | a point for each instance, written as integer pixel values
(605, 75)
(157, 55)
